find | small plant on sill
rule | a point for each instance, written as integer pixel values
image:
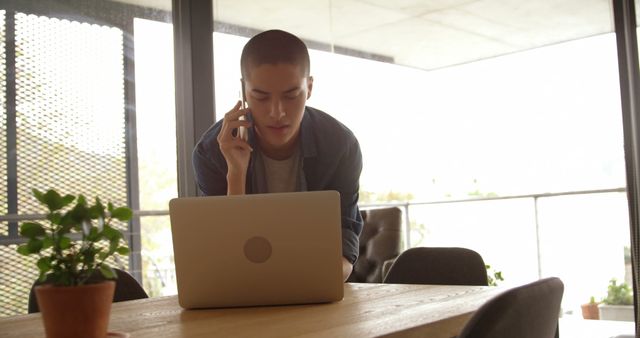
(493, 276)
(618, 294)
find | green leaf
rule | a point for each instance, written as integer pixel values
(111, 234)
(80, 212)
(101, 254)
(53, 200)
(498, 276)
(55, 218)
(110, 207)
(63, 278)
(47, 242)
(23, 250)
(65, 242)
(67, 219)
(82, 200)
(123, 250)
(35, 245)
(89, 257)
(31, 230)
(122, 213)
(99, 207)
(67, 199)
(38, 195)
(93, 235)
(113, 245)
(107, 271)
(65, 229)
(44, 264)
(93, 212)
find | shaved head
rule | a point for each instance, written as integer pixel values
(274, 47)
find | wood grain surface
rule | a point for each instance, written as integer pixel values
(367, 310)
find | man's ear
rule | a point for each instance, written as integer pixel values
(309, 86)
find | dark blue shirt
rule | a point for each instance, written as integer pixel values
(331, 161)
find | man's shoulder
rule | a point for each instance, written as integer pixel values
(210, 137)
(207, 146)
(322, 123)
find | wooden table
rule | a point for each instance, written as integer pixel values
(367, 310)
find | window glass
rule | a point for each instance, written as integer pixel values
(517, 103)
(156, 141)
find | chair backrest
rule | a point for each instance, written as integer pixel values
(440, 266)
(380, 240)
(127, 288)
(528, 311)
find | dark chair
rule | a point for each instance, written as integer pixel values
(440, 266)
(127, 288)
(528, 311)
(380, 240)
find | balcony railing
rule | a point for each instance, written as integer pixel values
(535, 197)
(581, 281)
(5, 240)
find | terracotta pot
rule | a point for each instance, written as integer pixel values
(590, 311)
(76, 311)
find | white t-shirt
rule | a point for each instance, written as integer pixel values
(281, 175)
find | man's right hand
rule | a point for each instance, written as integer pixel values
(235, 150)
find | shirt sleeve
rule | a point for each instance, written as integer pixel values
(348, 184)
(209, 168)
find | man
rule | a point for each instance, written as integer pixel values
(290, 147)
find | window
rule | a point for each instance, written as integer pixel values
(499, 124)
(76, 118)
(156, 129)
(485, 119)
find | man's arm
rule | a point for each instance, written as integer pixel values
(347, 268)
(347, 182)
(209, 167)
(220, 159)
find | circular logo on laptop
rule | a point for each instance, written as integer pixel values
(257, 249)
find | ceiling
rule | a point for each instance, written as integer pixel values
(427, 34)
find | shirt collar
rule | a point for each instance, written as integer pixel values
(307, 141)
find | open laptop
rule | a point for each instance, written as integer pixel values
(262, 249)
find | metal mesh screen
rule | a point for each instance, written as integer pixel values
(70, 128)
(16, 277)
(3, 118)
(69, 110)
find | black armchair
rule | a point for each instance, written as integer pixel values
(380, 241)
(441, 266)
(528, 311)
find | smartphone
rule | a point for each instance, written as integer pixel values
(242, 131)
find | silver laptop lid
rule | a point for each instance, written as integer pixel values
(262, 249)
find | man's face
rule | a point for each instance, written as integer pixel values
(277, 95)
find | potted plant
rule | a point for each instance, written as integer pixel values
(72, 248)
(618, 305)
(493, 276)
(590, 310)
